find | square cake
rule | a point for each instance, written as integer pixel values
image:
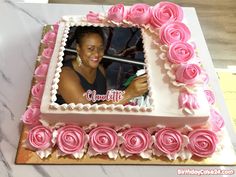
(122, 84)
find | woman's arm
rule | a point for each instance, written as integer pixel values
(137, 87)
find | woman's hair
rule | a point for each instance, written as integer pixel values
(82, 31)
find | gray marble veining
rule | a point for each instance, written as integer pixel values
(20, 34)
(104, 170)
(41, 171)
(4, 77)
(5, 167)
(15, 6)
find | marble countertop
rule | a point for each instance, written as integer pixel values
(20, 33)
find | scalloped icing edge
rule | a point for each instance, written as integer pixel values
(71, 21)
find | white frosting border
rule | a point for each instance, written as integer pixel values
(70, 21)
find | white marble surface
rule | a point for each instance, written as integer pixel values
(20, 33)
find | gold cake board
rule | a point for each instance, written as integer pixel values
(24, 156)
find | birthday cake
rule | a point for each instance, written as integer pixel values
(122, 84)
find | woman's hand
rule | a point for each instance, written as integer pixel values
(138, 86)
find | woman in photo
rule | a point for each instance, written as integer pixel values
(85, 72)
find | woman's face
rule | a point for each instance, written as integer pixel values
(91, 50)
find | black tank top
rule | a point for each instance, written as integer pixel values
(99, 84)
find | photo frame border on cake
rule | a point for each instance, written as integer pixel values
(114, 53)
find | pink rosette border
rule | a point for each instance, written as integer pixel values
(148, 143)
(31, 116)
(49, 40)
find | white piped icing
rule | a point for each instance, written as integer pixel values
(71, 106)
(79, 107)
(94, 107)
(54, 106)
(69, 22)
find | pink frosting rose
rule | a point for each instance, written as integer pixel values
(210, 96)
(93, 17)
(136, 140)
(31, 116)
(70, 139)
(202, 143)
(174, 31)
(41, 72)
(37, 90)
(187, 73)
(103, 139)
(55, 27)
(168, 141)
(46, 55)
(187, 100)
(180, 52)
(205, 77)
(166, 12)
(116, 13)
(40, 137)
(35, 103)
(139, 13)
(216, 120)
(49, 39)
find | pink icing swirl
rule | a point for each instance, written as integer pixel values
(202, 143)
(103, 139)
(37, 90)
(70, 139)
(168, 141)
(56, 27)
(217, 121)
(205, 77)
(139, 13)
(41, 72)
(165, 12)
(187, 73)
(136, 140)
(40, 137)
(116, 13)
(93, 17)
(187, 100)
(49, 39)
(180, 52)
(173, 32)
(210, 96)
(35, 103)
(46, 55)
(31, 116)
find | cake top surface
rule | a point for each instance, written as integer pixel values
(165, 51)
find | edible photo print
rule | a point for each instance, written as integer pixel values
(104, 65)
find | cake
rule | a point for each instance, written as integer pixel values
(176, 118)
